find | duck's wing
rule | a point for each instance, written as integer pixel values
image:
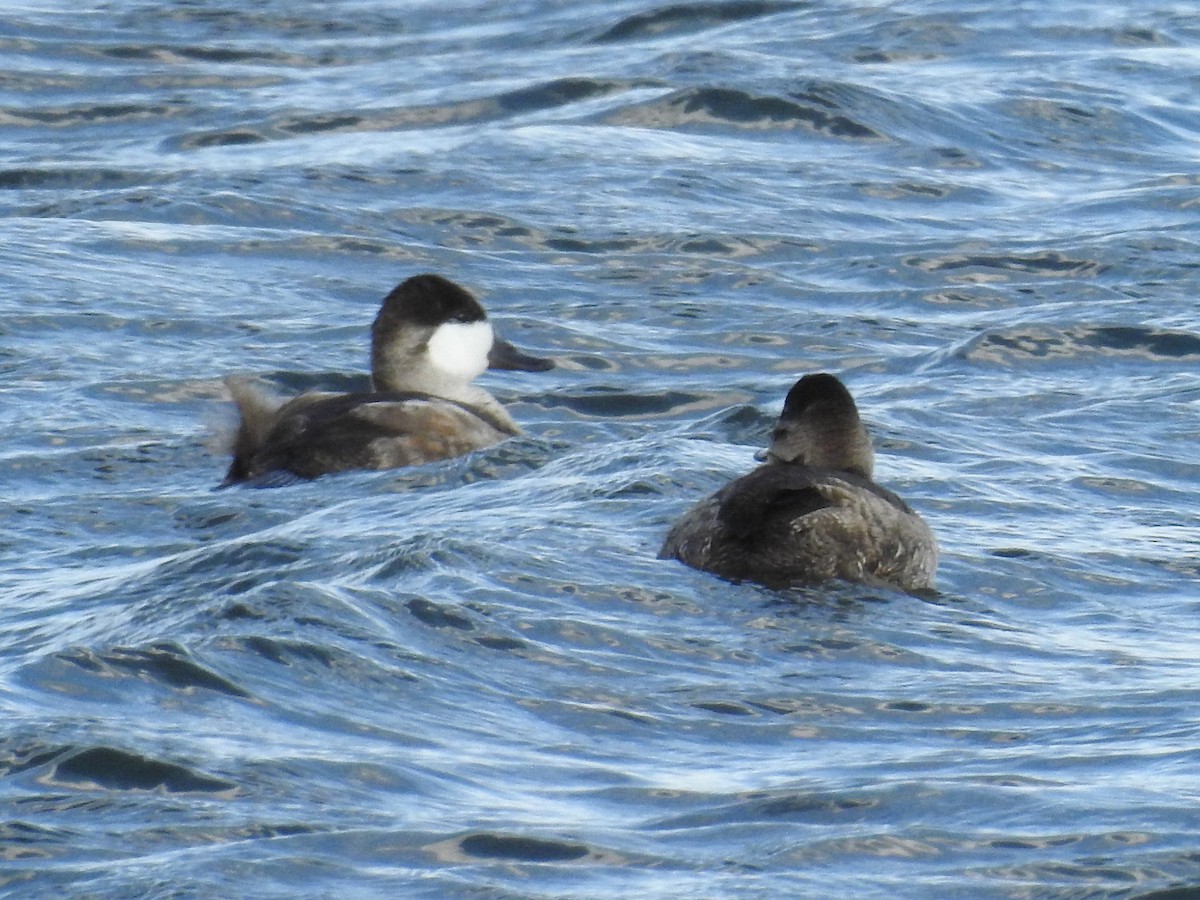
(764, 501)
(798, 524)
(773, 493)
(769, 495)
(314, 436)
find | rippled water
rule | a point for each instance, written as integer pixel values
(474, 678)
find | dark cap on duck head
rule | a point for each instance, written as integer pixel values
(429, 300)
(823, 392)
(820, 427)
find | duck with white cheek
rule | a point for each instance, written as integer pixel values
(811, 512)
(430, 340)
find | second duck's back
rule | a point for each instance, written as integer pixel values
(811, 513)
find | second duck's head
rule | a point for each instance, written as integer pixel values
(820, 428)
(430, 333)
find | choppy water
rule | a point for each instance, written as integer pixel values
(474, 679)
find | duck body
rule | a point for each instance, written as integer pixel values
(318, 434)
(783, 526)
(429, 341)
(811, 513)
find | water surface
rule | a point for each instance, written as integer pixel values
(474, 678)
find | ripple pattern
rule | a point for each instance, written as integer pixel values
(474, 679)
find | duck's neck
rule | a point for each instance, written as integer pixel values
(405, 379)
(488, 408)
(392, 370)
(850, 451)
(844, 447)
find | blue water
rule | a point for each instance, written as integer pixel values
(474, 679)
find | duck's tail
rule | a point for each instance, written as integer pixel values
(257, 407)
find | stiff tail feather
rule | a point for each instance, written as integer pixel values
(257, 407)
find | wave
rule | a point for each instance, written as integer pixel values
(1022, 344)
(1048, 263)
(687, 18)
(536, 98)
(115, 769)
(806, 111)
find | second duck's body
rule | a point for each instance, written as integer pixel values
(430, 340)
(811, 512)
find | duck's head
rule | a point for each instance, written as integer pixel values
(820, 427)
(430, 331)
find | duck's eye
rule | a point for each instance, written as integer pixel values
(779, 434)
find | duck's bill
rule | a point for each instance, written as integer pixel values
(504, 355)
(768, 454)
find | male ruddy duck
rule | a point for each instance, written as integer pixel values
(811, 512)
(429, 341)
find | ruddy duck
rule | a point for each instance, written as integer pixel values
(811, 512)
(429, 341)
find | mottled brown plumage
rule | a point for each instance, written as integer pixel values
(429, 340)
(811, 512)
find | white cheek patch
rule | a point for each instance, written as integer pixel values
(461, 348)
